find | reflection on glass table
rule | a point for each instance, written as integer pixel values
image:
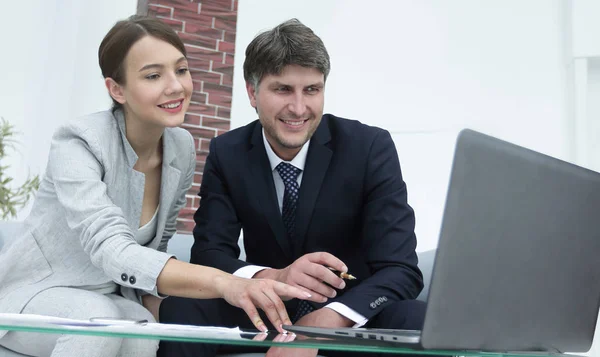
(219, 335)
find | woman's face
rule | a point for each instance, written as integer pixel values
(158, 85)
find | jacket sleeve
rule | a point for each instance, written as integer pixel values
(76, 169)
(388, 239)
(217, 227)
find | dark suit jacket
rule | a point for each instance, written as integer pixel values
(352, 204)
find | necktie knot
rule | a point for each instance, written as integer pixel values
(288, 172)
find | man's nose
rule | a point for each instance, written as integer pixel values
(297, 105)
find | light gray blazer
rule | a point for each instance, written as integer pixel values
(81, 229)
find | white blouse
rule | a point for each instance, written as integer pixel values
(147, 232)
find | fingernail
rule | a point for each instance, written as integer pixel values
(282, 330)
(263, 328)
(307, 294)
(344, 268)
(342, 285)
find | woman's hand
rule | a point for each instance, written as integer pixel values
(201, 282)
(266, 294)
(152, 303)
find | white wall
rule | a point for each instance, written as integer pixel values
(50, 70)
(585, 65)
(586, 28)
(426, 69)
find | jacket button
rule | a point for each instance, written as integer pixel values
(132, 279)
(124, 277)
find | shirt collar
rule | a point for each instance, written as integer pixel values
(298, 161)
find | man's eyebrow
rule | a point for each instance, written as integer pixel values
(160, 66)
(279, 84)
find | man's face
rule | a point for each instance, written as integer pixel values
(289, 106)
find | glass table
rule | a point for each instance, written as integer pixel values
(219, 335)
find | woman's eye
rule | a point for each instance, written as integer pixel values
(182, 70)
(152, 76)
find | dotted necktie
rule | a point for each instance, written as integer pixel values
(304, 307)
(289, 175)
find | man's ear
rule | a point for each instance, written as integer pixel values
(251, 93)
(115, 90)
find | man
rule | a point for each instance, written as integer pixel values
(312, 193)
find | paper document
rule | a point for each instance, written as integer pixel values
(105, 325)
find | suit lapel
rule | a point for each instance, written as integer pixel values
(136, 183)
(263, 188)
(136, 179)
(317, 162)
(169, 184)
(169, 181)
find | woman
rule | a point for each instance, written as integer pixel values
(95, 241)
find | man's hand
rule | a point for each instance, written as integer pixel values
(311, 273)
(322, 318)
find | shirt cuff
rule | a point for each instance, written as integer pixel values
(140, 293)
(248, 271)
(359, 320)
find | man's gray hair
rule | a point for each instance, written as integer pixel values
(291, 42)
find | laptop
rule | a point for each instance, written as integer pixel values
(517, 267)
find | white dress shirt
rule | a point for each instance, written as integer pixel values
(298, 161)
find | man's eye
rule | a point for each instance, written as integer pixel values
(152, 76)
(183, 70)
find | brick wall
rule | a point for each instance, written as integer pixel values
(207, 28)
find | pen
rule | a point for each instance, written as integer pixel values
(343, 275)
